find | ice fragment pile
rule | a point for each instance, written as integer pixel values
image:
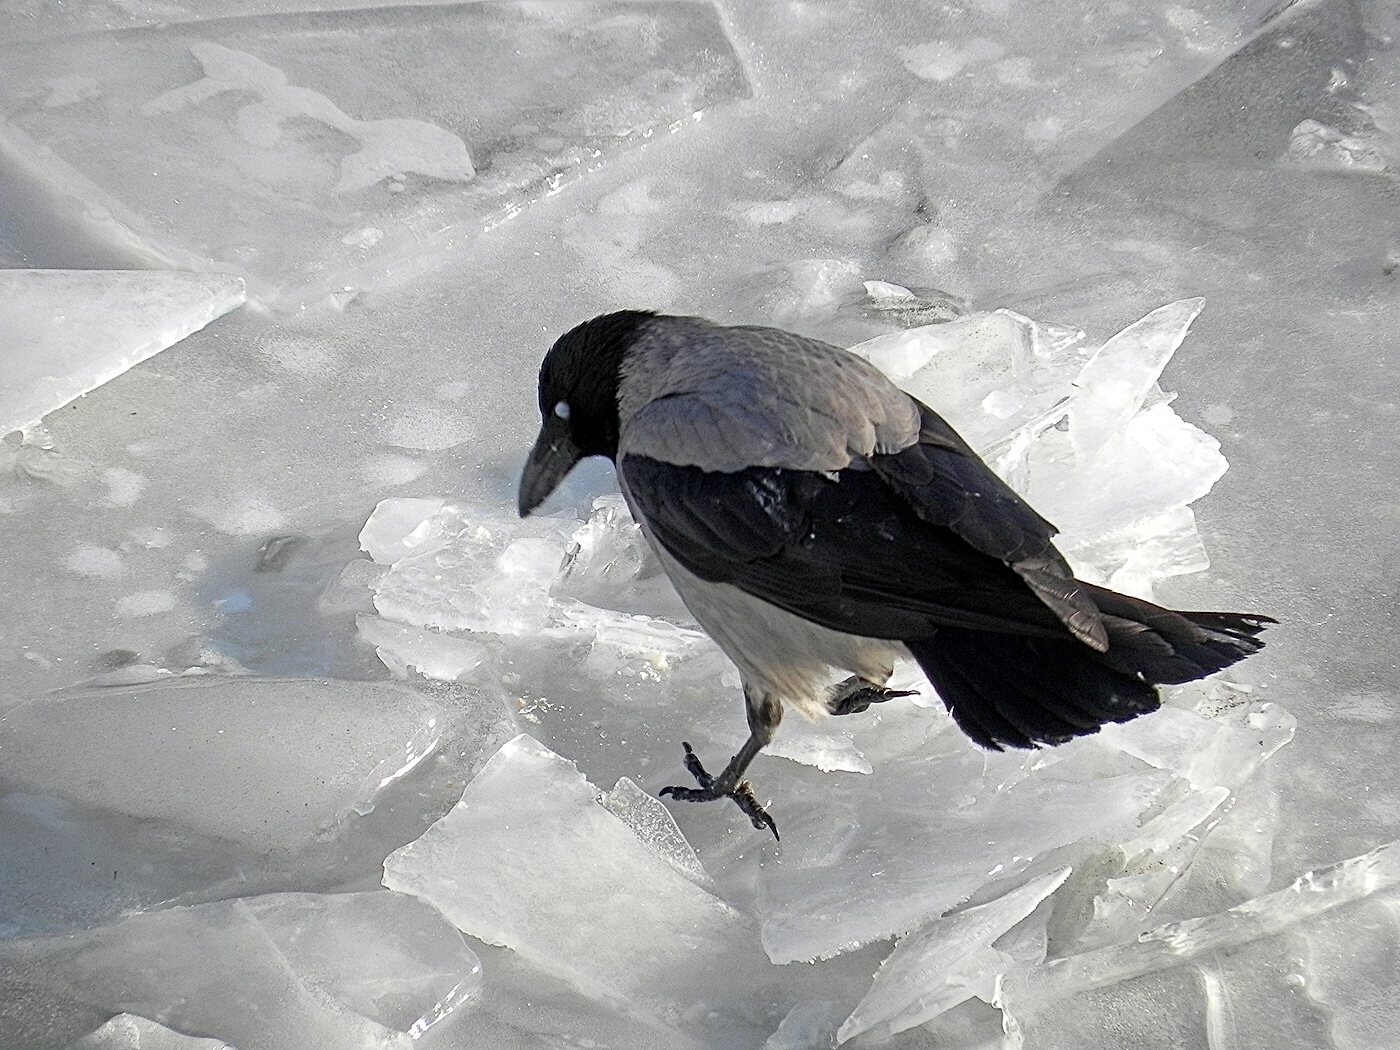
(1084, 434)
(531, 859)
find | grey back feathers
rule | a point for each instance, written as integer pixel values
(698, 394)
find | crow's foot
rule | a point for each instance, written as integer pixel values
(723, 786)
(855, 695)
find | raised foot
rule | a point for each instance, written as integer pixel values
(712, 788)
(855, 695)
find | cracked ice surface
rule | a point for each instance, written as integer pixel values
(1020, 183)
(286, 970)
(449, 136)
(70, 331)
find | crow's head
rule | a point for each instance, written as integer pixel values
(578, 401)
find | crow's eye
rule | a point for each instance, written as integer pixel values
(562, 410)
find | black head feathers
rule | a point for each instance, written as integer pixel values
(580, 374)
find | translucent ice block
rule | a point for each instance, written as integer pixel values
(946, 963)
(70, 331)
(264, 762)
(286, 970)
(531, 860)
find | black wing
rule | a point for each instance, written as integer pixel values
(844, 550)
(946, 483)
(856, 553)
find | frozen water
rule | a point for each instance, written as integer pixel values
(609, 564)
(1117, 380)
(652, 822)
(896, 862)
(457, 571)
(1019, 176)
(323, 152)
(387, 146)
(70, 331)
(946, 963)
(807, 1026)
(430, 653)
(290, 970)
(467, 569)
(1207, 752)
(1084, 434)
(392, 530)
(1167, 946)
(132, 1032)
(530, 859)
(222, 757)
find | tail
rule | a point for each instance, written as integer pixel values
(1017, 691)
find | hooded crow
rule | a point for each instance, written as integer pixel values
(815, 518)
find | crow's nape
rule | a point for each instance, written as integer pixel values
(1008, 690)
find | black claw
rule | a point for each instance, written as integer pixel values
(710, 790)
(758, 816)
(853, 696)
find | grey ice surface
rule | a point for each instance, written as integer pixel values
(420, 199)
(285, 970)
(69, 331)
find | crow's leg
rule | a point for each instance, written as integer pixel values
(855, 695)
(764, 715)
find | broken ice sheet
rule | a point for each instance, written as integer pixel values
(1207, 752)
(531, 860)
(1311, 894)
(285, 970)
(925, 831)
(464, 568)
(609, 564)
(432, 654)
(945, 963)
(1084, 434)
(1026, 367)
(321, 152)
(457, 571)
(70, 331)
(1215, 758)
(223, 757)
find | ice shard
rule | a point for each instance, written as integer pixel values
(1311, 894)
(532, 860)
(945, 963)
(1083, 433)
(70, 331)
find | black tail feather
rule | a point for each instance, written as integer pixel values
(1015, 691)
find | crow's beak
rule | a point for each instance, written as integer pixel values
(553, 456)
